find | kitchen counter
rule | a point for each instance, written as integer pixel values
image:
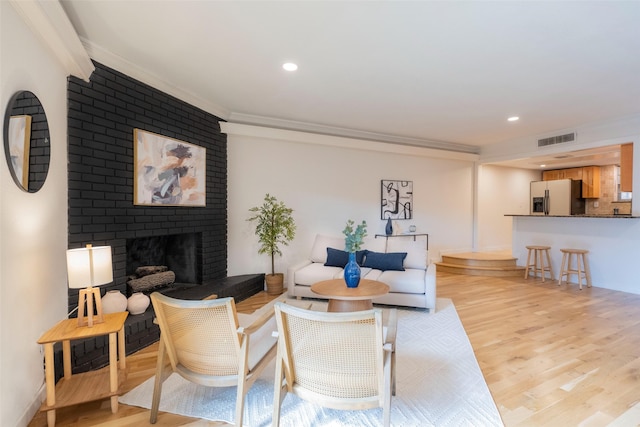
(576, 216)
(612, 242)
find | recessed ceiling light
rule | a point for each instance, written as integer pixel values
(290, 66)
(513, 119)
(542, 166)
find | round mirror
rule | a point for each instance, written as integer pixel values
(26, 141)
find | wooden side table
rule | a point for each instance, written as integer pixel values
(88, 386)
(343, 298)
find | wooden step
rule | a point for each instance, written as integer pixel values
(497, 264)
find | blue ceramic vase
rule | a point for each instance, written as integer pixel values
(389, 228)
(352, 272)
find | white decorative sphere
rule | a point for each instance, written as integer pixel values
(113, 302)
(138, 303)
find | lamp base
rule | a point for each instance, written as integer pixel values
(86, 297)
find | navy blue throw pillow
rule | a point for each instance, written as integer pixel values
(338, 258)
(360, 256)
(385, 261)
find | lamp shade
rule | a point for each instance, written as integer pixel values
(90, 266)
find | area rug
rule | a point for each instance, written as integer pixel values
(439, 383)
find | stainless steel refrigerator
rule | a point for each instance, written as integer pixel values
(557, 197)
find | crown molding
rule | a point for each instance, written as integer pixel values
(240, 129)
(349, 133)
(48, 20)
(132, 70)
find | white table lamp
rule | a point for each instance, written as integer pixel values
(88, 267)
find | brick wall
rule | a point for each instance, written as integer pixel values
(102, 115)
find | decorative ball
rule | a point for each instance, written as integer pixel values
(138, 303)
(113, 302)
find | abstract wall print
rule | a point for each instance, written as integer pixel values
(168, 172)
(19, 145)
(397, 199)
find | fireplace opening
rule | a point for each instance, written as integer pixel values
(179, 252)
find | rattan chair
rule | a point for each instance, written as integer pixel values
(337, 360)
(207, 344)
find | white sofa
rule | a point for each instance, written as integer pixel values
(413, 287)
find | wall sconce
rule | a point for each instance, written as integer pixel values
(88, 267)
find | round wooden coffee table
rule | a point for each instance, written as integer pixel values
(342, 298)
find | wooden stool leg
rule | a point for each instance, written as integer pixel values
(540, 263)
(579, 270)
(563, 268)
(526, 270)
(586, 270)
(549, 264)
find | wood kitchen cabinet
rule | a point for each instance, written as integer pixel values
(591, 182)
(572, 173)
(626, 167)
(590, 176)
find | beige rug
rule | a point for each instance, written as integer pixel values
(439, 383)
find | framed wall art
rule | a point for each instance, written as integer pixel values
(167, 171)
(396, 199)
(19, 147)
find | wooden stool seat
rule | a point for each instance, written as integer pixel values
(540, 253)
(581, 269)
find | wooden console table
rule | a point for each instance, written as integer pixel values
(414, 235)
(88, 386)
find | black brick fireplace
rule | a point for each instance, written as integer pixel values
(102, 115)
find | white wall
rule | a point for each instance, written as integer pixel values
(325, 185)
(33, 227)
(501, 191)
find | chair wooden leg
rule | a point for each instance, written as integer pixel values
(278, 395)
(240, 400)
(393, 373)
(162, 374)
(386, 407)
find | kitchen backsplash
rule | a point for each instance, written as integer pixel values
(606, 203)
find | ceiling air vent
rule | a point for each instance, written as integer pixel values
(559, 139)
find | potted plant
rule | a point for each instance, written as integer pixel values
(274, 227)
(353, 243)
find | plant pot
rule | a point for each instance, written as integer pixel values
(274, 283)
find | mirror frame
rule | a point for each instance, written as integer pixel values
(26, 133)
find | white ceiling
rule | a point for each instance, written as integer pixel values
(433, 73)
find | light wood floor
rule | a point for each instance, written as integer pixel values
(551, 356)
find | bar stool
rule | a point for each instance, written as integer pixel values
(539, 254)
(580, 270)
